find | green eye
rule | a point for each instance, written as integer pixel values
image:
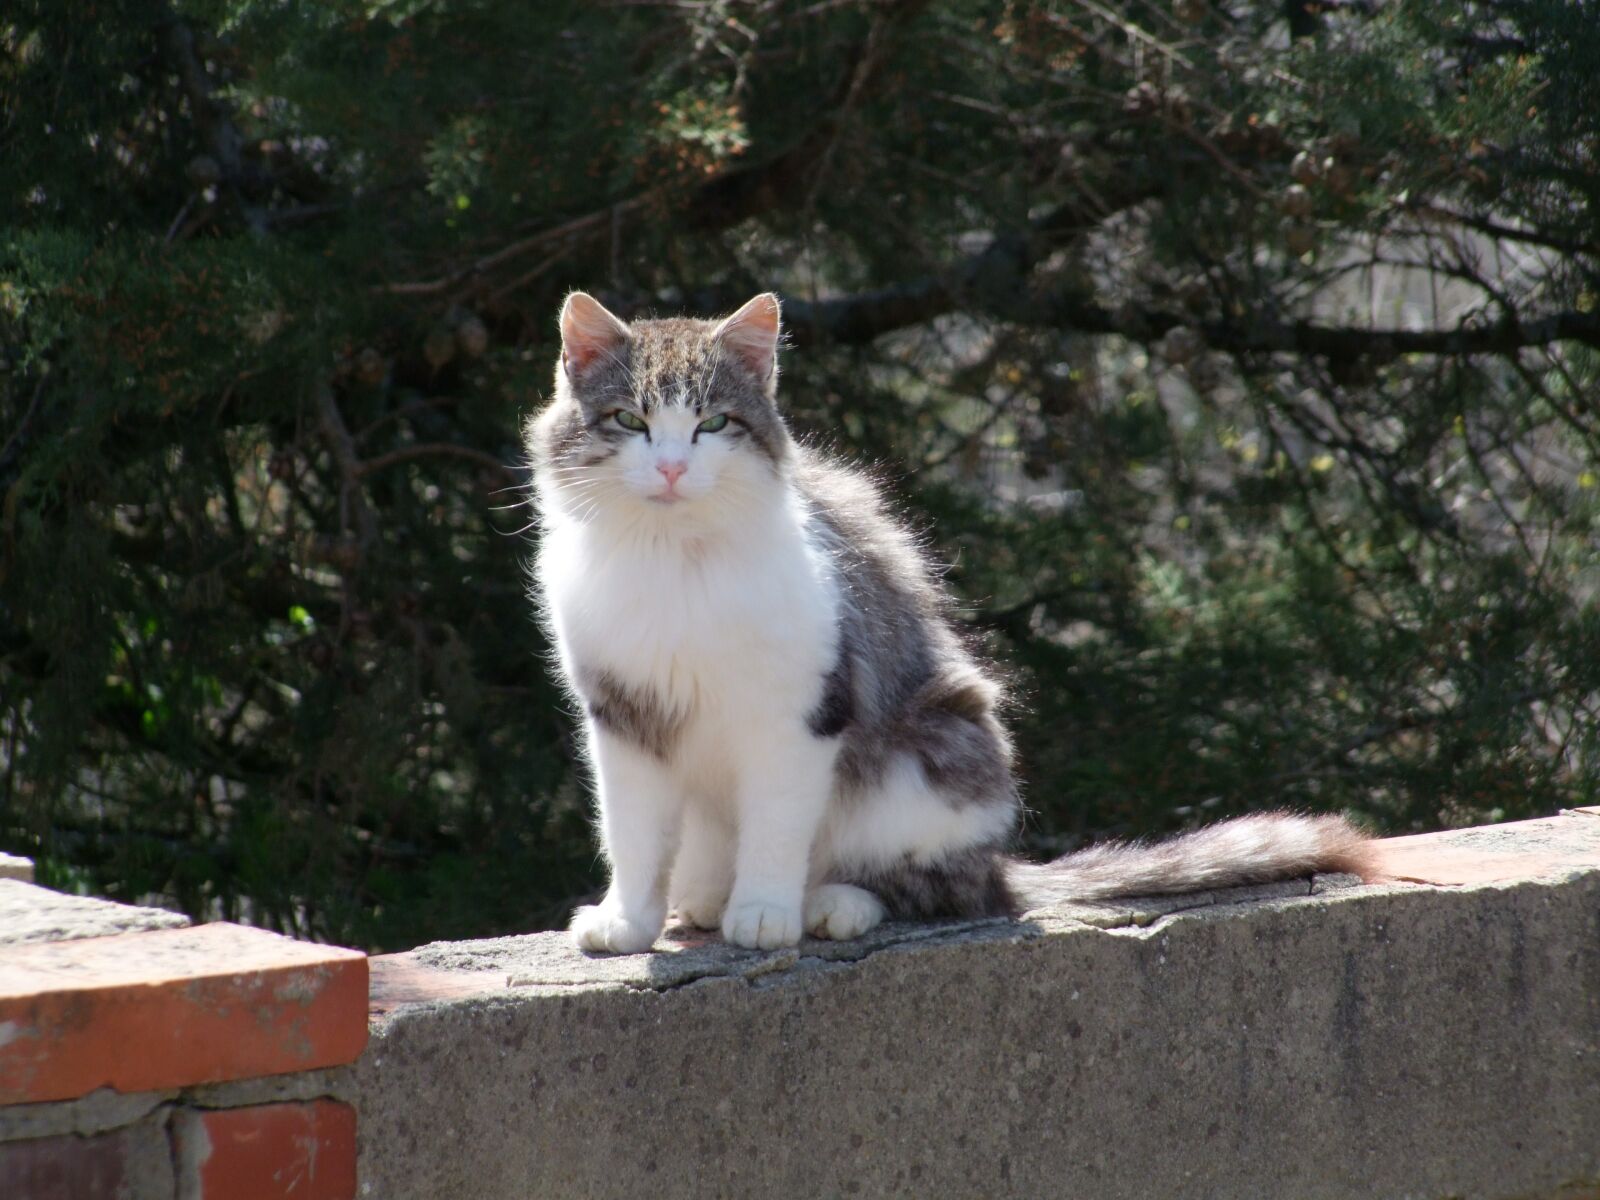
(712, 424)
(630, 421)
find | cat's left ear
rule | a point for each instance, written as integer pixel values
(751, 336)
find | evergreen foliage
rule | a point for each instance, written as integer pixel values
(1241, 361)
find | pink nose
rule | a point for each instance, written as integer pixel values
(672, 470)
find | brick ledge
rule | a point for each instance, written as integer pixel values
(172, 1008)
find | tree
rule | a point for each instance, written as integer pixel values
(1240, 361)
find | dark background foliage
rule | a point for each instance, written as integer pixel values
(1240, 361)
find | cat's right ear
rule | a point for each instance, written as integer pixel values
(589, 333)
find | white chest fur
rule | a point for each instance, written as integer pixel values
(720, 625)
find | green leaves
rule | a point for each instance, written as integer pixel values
(454, 160)
(700, 131)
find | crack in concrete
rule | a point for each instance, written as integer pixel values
(769, 967)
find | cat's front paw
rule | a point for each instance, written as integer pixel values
(841, 911)
(603, 930)
(761, 925)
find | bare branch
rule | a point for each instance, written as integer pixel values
(869, 315)
(434, 450)
(342, 448)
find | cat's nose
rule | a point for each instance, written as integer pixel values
(673, 470)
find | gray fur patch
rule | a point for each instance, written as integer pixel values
(631, 714)
(969, 883)
(557, 435)
(836, 709)
(903, 684)
(951, 731)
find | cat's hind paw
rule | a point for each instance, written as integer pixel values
(601, 930)
(841, 911)
(703, 912)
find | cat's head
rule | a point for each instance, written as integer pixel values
(670, 416)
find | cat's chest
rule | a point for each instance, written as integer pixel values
(684, 617)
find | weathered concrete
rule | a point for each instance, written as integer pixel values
(1401, 1040)
(36, 914)
(333, 1083)
(101, 1110)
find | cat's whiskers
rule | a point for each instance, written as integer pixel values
(583, 502)
(516, 487)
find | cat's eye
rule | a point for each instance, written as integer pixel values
(632, 422)
(712, 424)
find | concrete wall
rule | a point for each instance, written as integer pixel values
(1438, 1038)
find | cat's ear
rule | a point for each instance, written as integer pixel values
(751, 335)
(589, 332)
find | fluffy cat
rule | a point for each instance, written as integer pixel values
(786, 733)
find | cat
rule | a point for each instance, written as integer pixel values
(787, 734)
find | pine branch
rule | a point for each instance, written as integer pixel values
(718, 203)
(791, 179)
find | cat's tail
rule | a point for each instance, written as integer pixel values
(1254, 849)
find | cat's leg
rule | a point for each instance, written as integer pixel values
(841, 911)
(702, 877)
(640, 809)
(783, 792)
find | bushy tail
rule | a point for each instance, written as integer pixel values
(1255, 849)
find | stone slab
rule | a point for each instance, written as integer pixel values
(171, 1008)
(35, 914)
(1345, 1042)
(442, 972)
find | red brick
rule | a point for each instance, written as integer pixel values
(126, 1162)
(1541, 848)
(174, 1007)
(267, 1152)
(401, 979)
